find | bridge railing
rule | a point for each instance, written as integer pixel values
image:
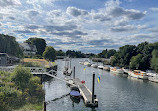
(32, 69)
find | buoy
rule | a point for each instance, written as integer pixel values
(83, 82)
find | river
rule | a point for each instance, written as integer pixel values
(114, 92)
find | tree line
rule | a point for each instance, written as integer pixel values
(143, 56)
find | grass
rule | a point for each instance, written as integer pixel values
(31, 107)
(40, 61)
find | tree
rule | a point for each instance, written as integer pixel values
(154, 60)
(49, 53)
(60, 53)
(124, 54)
(136, 62)
(39, 43)
(110, 53)
(9, 45)
(21, 77)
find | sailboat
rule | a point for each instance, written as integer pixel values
(67, 69)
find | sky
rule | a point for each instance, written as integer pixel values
(89, 26)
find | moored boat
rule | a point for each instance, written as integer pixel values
(138, 74)
(94, 65)
(107, 68)
(116, 70)
(152, 76)
(75, 93)
(100, 67)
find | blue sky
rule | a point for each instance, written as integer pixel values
(88, 26)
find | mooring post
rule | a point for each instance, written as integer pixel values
(93, 84)
(44, 106)
(74, 73)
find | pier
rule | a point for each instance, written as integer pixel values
(86, 94)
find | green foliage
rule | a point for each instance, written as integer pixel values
(107, 53)
(136, 62)
(19, 88)
(49, 53)
(123, 56)
(60, 53)
(9, 45)
(39, 43)
(154, 60)
(22, 77)
(75, 54)
(31, 64)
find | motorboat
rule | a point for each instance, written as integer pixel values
(138, 74)
(94, 65)
(152, 76)
(75, 93)
(107, 68)
(116, 70)
(100, 67)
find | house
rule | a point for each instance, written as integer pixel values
(28, 49)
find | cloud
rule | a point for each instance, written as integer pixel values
(32, 27)
(113, 9)
(100, 17)
(142, 36)
(127, 28)
(24, 31)
(76, 12)
(32, 13)
(5, 3)
(74, 34)
(153, 29)
(154, 9)
(53, 28)
(99, 42)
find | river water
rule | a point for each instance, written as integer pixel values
(114, 92)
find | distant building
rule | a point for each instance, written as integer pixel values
(28, 49)
(6, 60)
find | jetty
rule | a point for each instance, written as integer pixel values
(90, 99)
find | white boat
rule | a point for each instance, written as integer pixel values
(107, 68)
(138, 74)
(116, 70)
(86, 63)
(100, 67)
(81, 62)
(94, 65)
(125, 70)
(152, 76)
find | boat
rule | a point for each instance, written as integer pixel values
(94, 65)
(67, 69)
(75, 93)
(152, 76)
(81, 62)
(100, 67)
(138, 74)
(125, 70)
(116, 70)
(107, 68)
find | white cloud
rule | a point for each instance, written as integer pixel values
(5, 3)
(76, 12)
(154, 9)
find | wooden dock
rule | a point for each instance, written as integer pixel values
(86, 94)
